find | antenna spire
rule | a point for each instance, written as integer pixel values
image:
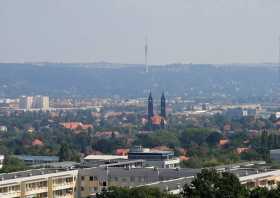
(146, 55)
(278, 59)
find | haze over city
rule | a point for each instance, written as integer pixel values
(197, 31)
(139, 99)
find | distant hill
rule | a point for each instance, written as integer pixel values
(240, 82)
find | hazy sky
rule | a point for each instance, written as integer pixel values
(197, 31)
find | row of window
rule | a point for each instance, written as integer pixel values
(63, 180)
(33, 186)
(10, 189)
(122, 179)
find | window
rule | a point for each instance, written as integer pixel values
(82, 178)
(91, 178)
(82, 188)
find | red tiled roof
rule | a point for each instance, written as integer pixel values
(76, 125)
(37, 142)
(156, 119)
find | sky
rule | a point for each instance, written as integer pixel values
(178, 31)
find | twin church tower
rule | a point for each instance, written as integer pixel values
(156, 121)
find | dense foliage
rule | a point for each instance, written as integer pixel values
(198, 139)
(101, 79)
(141, 192)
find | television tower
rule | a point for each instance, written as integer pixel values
(278, 60)
(146, 55)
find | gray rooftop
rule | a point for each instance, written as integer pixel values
(160, 173)
(28, 173)
(35, 158)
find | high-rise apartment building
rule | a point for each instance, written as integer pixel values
(36, 102)
(41, 102)
(25, 102)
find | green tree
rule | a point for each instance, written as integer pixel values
(214, 138)
(211, 184)
(138, 192)
(66, 153)
(12, 164)
(265, 193)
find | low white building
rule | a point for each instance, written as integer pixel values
(102, 158)
(275, 155)
(154, 158)
(3, 128)
(1, 161)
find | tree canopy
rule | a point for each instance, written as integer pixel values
(140, 192)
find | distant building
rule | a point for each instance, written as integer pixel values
(32, 160)
(275, 155)
(25, 102)
(156, 121)
(237, 113)
(103, 158)
(107, 134)
(36, 102)
(1, 161)
(110, 161)
(37, 142)
(223, 142)
(122, 151)
(3, 128)
(76, 125)
(150, 110)
(240, 150)
(154, 158)
(277, 115)
(204, 107)
(41, 102)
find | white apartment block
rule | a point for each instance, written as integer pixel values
(34, 102)
(87, 182)
(43, 183)
(1, 161)
(25, 102)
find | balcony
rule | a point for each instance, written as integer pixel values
(63, 185)
(10, 194)
(63, 196)
(31, 191)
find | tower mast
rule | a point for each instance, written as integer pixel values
(146, 55)
(278, 64)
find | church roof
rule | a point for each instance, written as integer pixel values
(156, 120)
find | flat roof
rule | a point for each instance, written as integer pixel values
(129, 162)
(172, 184)
(37, 157)
(155, 173)
(275, 151)
(65, 164)
(151, 152)
(28, 173)
(104, 157)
